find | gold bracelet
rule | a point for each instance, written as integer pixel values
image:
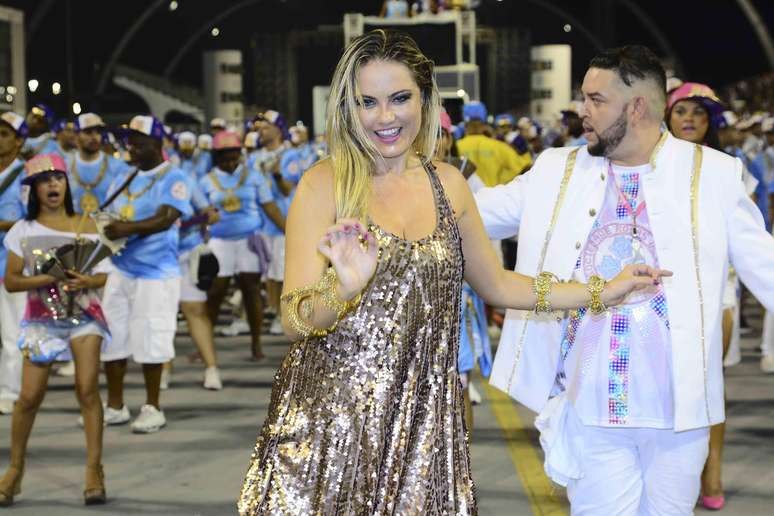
(542, 286)
(595, 287)
(300, 303)
(331, 299)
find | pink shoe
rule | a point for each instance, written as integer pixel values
(713, 503)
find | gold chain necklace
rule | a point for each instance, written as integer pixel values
(89, 202)
(231, 202)
(127, 211)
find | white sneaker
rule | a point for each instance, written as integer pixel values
(149, 421)
(67, 369)
(212, 379)
(276, 327)
(6, 407)
(235, 328)
(111, 416)
(767, 364)
(166, 378)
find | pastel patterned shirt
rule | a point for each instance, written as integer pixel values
(617, 366)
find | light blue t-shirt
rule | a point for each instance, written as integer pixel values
(191, 236)
(202, 163)
(241, 223)
(11, 206)
(88, 172)
(188, 165)
(153, 256)
(42, 144)
(296, 161)
(263, 156)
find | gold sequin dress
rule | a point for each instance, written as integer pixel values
(369, 419)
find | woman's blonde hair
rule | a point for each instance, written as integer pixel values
(353, 154)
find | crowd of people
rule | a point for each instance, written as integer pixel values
(109, 233)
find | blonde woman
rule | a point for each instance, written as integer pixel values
(366, 414)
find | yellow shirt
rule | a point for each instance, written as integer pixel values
(496, 162)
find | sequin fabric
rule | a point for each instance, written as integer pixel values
(51, 313)
(369, 419)
(619, 363)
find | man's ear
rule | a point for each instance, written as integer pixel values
(638, 109)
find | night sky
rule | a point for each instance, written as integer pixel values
(712, 38)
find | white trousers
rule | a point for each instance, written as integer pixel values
(639, 472)
(142, 317)
(767, 339)
(11, 313)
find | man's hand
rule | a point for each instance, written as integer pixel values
(118, 229)
(213, 215)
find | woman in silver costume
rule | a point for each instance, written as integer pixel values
(366, 413)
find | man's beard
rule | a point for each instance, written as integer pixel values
(611, 137)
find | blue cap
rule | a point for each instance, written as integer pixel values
(16, 122)
(458, 131)
(42, 110)
(474, 110)
(61, 125)
(505, 118)
(275, 118)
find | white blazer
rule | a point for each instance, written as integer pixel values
(730, 227)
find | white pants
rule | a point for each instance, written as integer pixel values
(142, 316)
(189, 292)
(276, 245)
(11, 313)
(234, 257)
(767, 339)
(638, 472)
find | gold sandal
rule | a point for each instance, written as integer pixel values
(7, 492)
(94, 493)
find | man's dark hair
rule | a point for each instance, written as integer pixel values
(632, 63)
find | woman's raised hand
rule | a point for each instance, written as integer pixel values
(352, 251)
(631, 278)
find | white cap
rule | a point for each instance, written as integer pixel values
(251, 140)
(524, 122)
(186, 139)
(730, 118)
(88, 121)
(217, 122)
(17, 122)
(767, 126)
(205, 141)
(673, 83)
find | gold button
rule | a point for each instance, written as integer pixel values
(577, 245)
(592, 212)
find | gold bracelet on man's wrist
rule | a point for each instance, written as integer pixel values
(595, 287)
(542, 286)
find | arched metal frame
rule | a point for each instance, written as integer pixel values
(745, 6)
(191, 41)
(652, 27)
(125, 39)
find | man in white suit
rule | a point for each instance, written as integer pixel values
(626, 398)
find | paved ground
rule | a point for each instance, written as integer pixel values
(195, 465)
